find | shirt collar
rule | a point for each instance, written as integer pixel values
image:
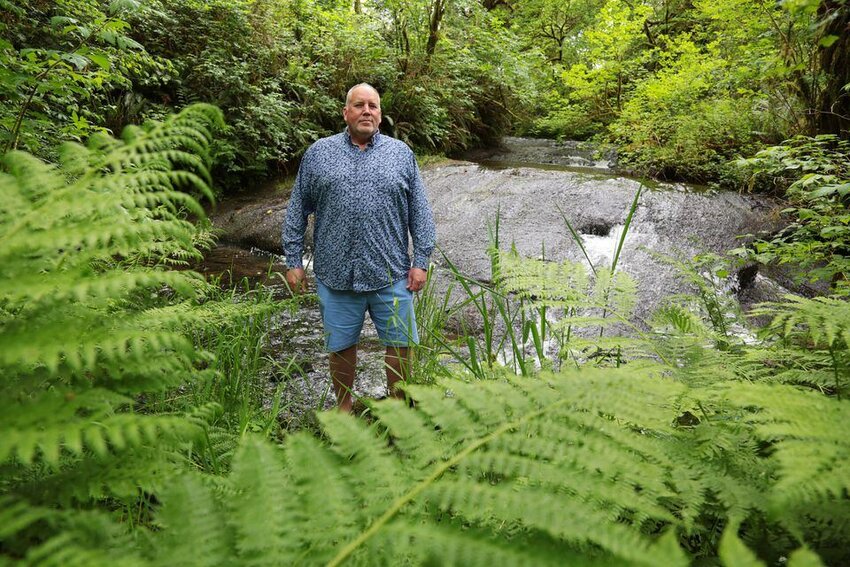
(373, 141)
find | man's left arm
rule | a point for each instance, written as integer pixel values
(421, 228)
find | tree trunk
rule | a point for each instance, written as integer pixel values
(834, 108)
(437, 11)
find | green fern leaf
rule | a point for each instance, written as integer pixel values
(804, 557)
(200, 538)
(733, 552)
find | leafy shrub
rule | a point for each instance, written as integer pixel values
(64, 66)
(814, 173)
(685, 123)
(570, 122)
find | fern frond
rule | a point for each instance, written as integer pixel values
(16, 515)
(562, 284)
(615, 290)
(811, 450)
(733, 551)
(263, 508)
(201, 538)
(419, 544)
(119, 477)
(599, 465)
(540, 509)
(412, 435)
(316, 479)
(96, 544)
(371, 467)
(825, 320)
(32, 288)
(563, 518)
(49, 424)
(678, 319)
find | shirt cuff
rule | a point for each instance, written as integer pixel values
(294, 262)
(420, 262)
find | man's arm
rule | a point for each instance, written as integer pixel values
(292, 236)
(421, 228)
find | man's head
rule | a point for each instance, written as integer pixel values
(362, 112)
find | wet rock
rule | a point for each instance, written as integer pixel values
(531, 204)
(255, 223)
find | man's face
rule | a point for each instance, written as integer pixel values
(362, 113)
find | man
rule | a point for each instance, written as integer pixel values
(367, 194)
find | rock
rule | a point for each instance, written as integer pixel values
(255, 224)
(467, 198)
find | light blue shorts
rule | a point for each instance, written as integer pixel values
(391, 309)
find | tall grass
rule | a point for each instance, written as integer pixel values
(241, 365)
(515, 330)
(432, 314)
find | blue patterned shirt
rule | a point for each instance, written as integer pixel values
(365, 202)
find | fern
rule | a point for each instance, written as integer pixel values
(824, 320)
(356, 496)
(92, 326)
(583, 309)
(593, 465)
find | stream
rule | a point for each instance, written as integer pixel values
(531, 185)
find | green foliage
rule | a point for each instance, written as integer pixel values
(245, 58)
(815, 175)
(682, 452)
(63, 66)
(280, 72)
(593, 466)
(92, 322)
(682, 88)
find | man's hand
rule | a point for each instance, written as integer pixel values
(416, 279)
(296, 280)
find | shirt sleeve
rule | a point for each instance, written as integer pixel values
(299, 208)
(421, 219)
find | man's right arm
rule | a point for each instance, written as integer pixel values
(299, 208)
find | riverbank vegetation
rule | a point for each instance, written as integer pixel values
(138, 422)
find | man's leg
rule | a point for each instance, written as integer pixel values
(342, 316)
(343, 364)
(397, 361)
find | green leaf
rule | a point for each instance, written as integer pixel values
(733, 552)
(76, 60)
(804, 557)
(824, 191)
(828, 40)
(100, 60)
(123, 6)
(57, 21)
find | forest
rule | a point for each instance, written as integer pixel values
(140, 421)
